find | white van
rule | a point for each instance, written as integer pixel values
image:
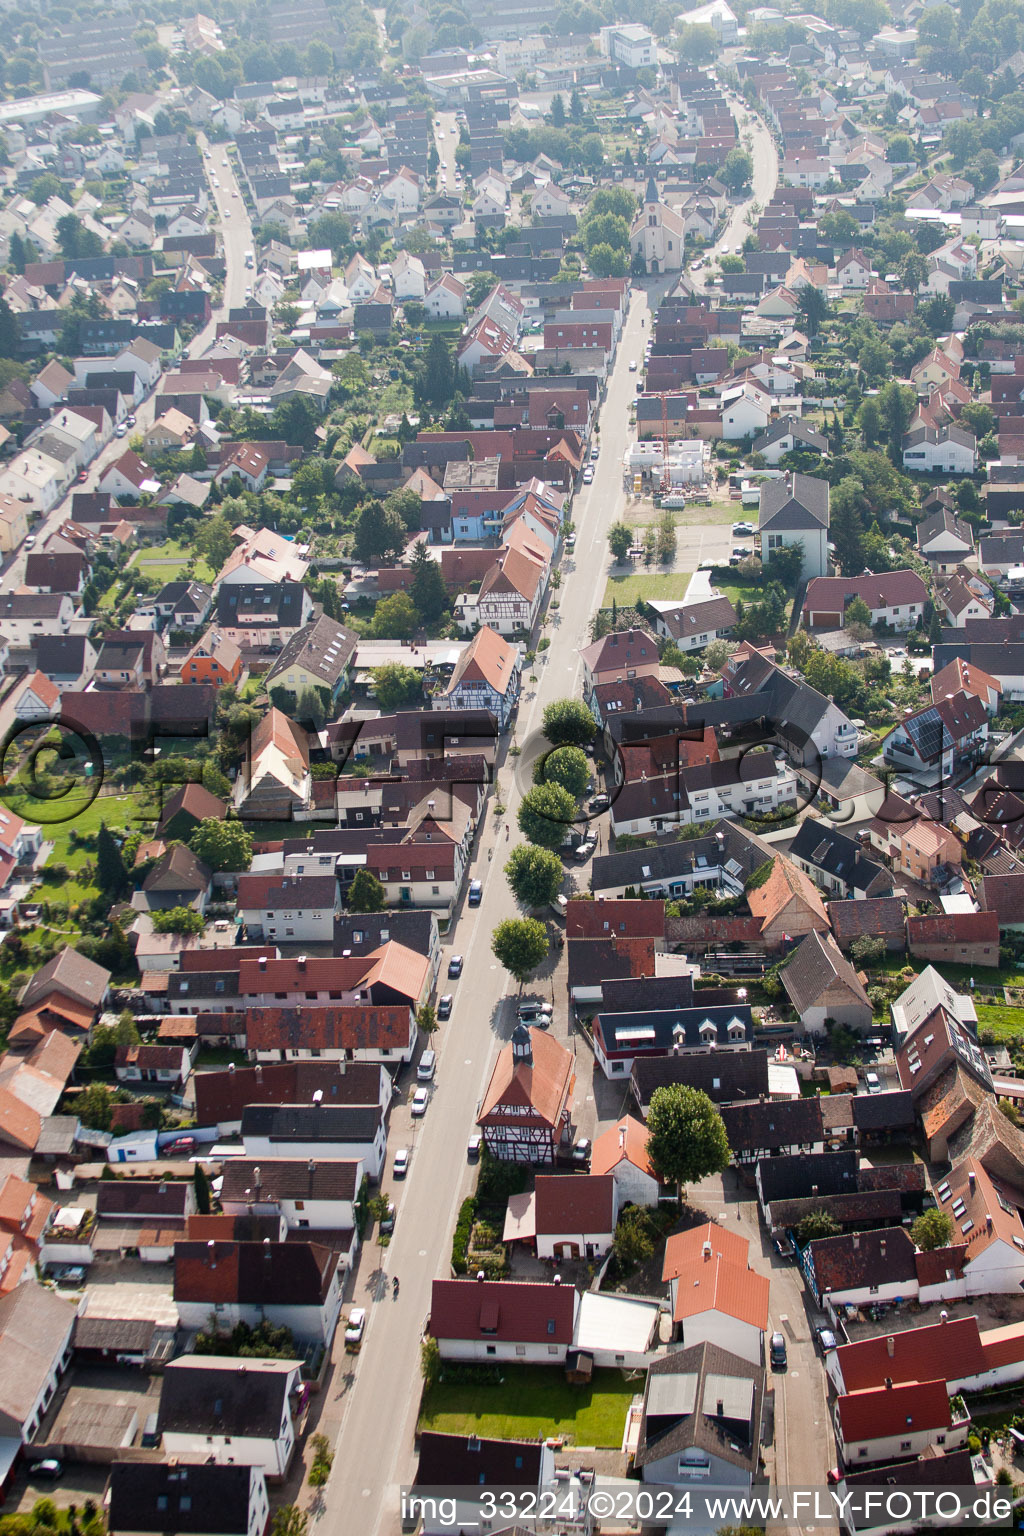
(427, 1067)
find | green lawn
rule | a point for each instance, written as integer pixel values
(169, 560)
(661, 585)
(532, 1401)
(1005, 1022)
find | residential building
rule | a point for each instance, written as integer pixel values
(229, 1410)
(701, 1418)
(822, 984)
(145, 1498)
(894, 598)
(795, 510)
(503, 1320)
(526, 1112)
(294, 1285)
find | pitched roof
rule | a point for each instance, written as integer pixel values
(684, 1251)
(785, 884)
(283, 1178)
(817, 966)
(260, 1274)
(884, 1412)
(624, 1142)
(572, 1202)
(857, 1259)
(488, 658)
(323, 648)
(911, 1354)
(218, 1395)
(460, 1461)
(541, 1085)
(866, 915)
(180, 1498)
(70, 973)
(502, 1310)
(783, 1123)
(703, 1398)
(713, 1284)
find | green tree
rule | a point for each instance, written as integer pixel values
(814, 309)
(913, 271)
(289, 1520)
(546, 814)
(519, 944)
(111, 874)
(875, 359)
(896, 404)
(94, 1107)
(214, 540)
(556, 117)
(620, 540)
(607, 260)
(636, 1237)
(380, 534)
(932, 1229)
(436, 382)
(534, 875)
(183, 920)
(717, 654)
(366, 894)
(900, 149)
(395, 685)
(427, 588)
(479, 286)
(426, 1018)
(698, 44)
(869, 419)
(44, 187)
(858, 612)
(222, 845)
(737, 170)
(568, 766)
(201, 1185)
(686, 1137)
(666, 538)
(395, 618)
(785, 564)
(816, 1225)
(832, 675)
(568, 722)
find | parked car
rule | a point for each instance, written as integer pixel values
(595, 450)
(742, 530)
(825, 1339)
(402, 1157)
(783, 1247)
(873, 1082)
(121, 430)
(588, 475)
(420, 1100)
(533, 1012)
(473, 1146)
(584, 850)
(181, 1146)
(427, 1067)
(83, 475)
(355, 1327)
(51, 1468)
(476, 892)
(444, 1006)
(455, 965)
(72, 1275)
(581, 1152)
(387, 1221)
(632, 365)
(600, 802)
(777, 1352)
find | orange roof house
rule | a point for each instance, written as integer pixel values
(526, 1111)
(788, 905)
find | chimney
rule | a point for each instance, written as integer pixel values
(706, 1249)
(211, 1253)
(302, 962)
(890, 1346)
(856, 1241)
(881, 1248)
(888, 1383)
(262, 962)
(988, 1222)
(480, 1276)
(943, 1317)
(622, 1137)
(971, 1181)
(311, 1166)
(557, 1279)
(720, 1409)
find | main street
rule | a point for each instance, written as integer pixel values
(236, 235)
(374, 1448)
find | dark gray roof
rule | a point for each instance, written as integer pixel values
(311, 1122)
(641, 866)
(857, 1259)
(224, 1397)
(818, 843)
(790, 426)
(797, 1177)
(663, 1028)
(817, 963)
(180, 1499)
(786, 1123)
(723, 1075)
(681, 1403)
(460, 1461)
(133, 1335)
(142, 1197)
(884, 1111)
(286, 1178)
(795, 502)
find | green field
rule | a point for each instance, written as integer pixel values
(1005, 1023)
(168, 561)
(74, 813)
(661, 585)
(532, 1401)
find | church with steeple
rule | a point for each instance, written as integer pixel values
(658, 235)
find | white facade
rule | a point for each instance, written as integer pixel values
(370, 1153)
(272, 1455)
(721, 1328)
(306, 1321)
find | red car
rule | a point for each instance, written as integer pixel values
(180, 1147)
(83, 475)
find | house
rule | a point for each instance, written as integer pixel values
(316, 658)
(184, 604)
(853, 271)
(470, 1466)
(786, 905)
(314, 1196)
(510, 593)
(940, 742)
(894, 598)
(716, 1298)
(503, 1320)
(884, 1423)
(177, 879)
(795, 510)
(950, 450)
(959, 676)
(274, 779)
(185, 809)
(24, 1218)
(701, 1419)
(788, 435)
(246, 462)
(988, 1223)
(620, 656)
(168, 1066)
(526, 1112)
(621, 1153)
(487, 675)
(957, 602)
(214, 659)
(881, 917)
(621, 1037)
(293, 1285)
(746, 411)
(836, 863)
(445, 299)
(779, 1128)
(694, 625)
(921, 848)
(39, 699)
(35, 1350)
(566, 1217)
(863, 1269)
(376, 1032)
(228, 1410)
(955, 938)
(292, 908)
(928, 992)
(146, 1498)
(822, 984)
(65, 993)
(222, 1096)
(945, 540)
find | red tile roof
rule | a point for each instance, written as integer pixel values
(916, 1354)
(715, 1285)
(598, 919)
(572, 1202)
(506, 1311)
(884, 1412)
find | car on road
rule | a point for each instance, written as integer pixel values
(401, 1166)
(588, 475)
(595, 450)
(476, 892)
(600, 803)
(530, 1012)
(723, 250)
(355, 1327)
(121, 430)
(420, 1100)
(570, 542)
(129, 421)
(427, 1067)
(695, 266)
(632, 365)
(387, 1221)
(51, 1467)
(739, 250)
(584, 850)
(234, 192)
(83, 475)
(444, 1007)
(777, 1352)
(783, 1247)
(825, 1339)
(455, 965)
(473, 1146)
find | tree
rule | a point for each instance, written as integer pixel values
(932, 1229)
(686, 1137)
(201, 1185)
(111, 874)
(436, 382)
(556, 117)
(427, 588)
(426, 1018)
(913, 271)
(896, 404)
(380, 534)
(717, 654)
(785, 564)
(979, 419)
(546, 813)
(214, 540)
(666, 538)
(832, 675)
(568, 722)
(875, 359)
(900, 149)
(839, 227)
(815, 1225)
(289, 1521)
(737, 170)
(366, 894)
(567, 766)
(395, 618)
(222, 845)
(479, 286)
(698, 44)
(869, 419)
(636, 1236)
(607, 260)
(858, 612)
(94, 1107)
(814, 309)
(183, 920)
(395, 685)
(519, 944)
(44, 187)
(534, 875)
(620, 540)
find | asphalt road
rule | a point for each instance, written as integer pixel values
(237, 239)
(375, 1446)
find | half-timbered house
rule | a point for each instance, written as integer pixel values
(526, 1112)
